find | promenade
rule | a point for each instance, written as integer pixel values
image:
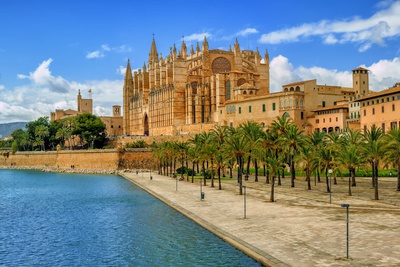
(301, 228)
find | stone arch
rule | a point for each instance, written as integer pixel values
(286, 115)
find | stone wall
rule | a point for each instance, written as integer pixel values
(107, 159)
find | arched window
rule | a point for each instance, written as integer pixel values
(228, 90)
(291, 89)
(286, 115)
(298, 88)
(297, 103)
(285, 90)
(301, 103)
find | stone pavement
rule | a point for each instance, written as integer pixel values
(301, 228)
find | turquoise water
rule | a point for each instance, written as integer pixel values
(50, 219)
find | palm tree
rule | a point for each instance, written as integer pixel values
(220, 133)
(294, 139)
(326, 159)
(42, 131)
(236, 145)
(274, 165)
(307, 155)
(392, 148)
(350, 157)
(374, 151)
(62, 134)
(317, 140)
(252, 131)
(351, 138)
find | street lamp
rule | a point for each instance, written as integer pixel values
(244, 200)
(330, 185)
(347, 228)
(201, 190)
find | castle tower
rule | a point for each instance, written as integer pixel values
(361, 81)
(116, 111)
(79, 100)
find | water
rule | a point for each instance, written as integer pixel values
(49, 219)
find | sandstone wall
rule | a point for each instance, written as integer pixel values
(109, 159)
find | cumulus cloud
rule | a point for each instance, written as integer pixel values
(42, 77)
(121, 70)
(363, 32)
(42, 95)
(2, 87)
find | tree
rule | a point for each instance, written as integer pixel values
(90, 129)
(307, 155)
(294, 139)
(373, 151)
(236, 145)
(31, 128)
(317, 140)
(392, 148)
(220, 133)
(41, 131)
(252, 131)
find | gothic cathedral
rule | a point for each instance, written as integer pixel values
(184, 92)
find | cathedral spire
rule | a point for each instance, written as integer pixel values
(236, 47)
(128, 72)
(183, 49)
(153, 56)
(205, 45)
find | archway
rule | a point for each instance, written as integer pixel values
(146, 125)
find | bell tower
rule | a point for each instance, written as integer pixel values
(361, 81)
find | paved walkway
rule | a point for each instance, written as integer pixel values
(301, 228)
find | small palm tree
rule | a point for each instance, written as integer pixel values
(392, 148)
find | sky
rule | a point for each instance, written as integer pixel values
(51, 49)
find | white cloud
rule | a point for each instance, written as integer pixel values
(43, 95)
(363, 32)
(247, 31)
(121, 70)
(106, 48)
(2, 87)
(199, 37)
(95, 54)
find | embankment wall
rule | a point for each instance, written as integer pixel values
(109, 159)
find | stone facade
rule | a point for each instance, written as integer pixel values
(183, 92)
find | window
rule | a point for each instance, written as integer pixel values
(273, 106)
(365, 112)
(373, 111)
(393, 108)
(317, 121)
(249, 109)
(302, 115)
(383, 109)
(240, 110)
(323, 104)
(323, 120)
(263, 107)
(228, 90)
(330, 119)
(220, 111)
(334, 103)
(337, 119)
(383, 127)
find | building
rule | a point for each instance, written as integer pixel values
(380, 109)
(183, 92)
(113, 123)
(191, 92)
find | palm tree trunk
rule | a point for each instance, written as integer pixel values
(328, 190)
(373, 173)
(193, 172)
(351, 173)
(292, 171)
(267, 177)
(376, 181)
(248, 168)
(256, 170)
(398, 174)
(318, 176)
(272, 199)
(219, 179)
(204, 173)
(212, 172)
(279, 178)
(308, 179)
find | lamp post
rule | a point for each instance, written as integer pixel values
(201, 190)
(330, 185)
(347, 228)
(244, 200)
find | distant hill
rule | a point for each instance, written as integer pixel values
(7, 128)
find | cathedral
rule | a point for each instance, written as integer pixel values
(185, 91)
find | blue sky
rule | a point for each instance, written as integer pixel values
(50, 49)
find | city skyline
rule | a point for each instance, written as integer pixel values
(65, 47)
